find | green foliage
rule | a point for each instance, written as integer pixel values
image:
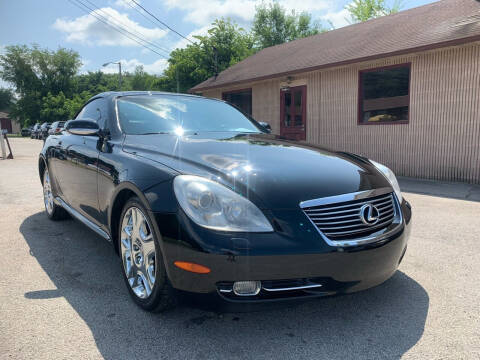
(35, 73)
(140, 80)
(272, 25)
(225, 45)
(60, 108)
(54, 107)
(6, 98)
(96, 82)
(49, 86)
(363, 10)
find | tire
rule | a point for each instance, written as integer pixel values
(53, 211)
(141, 257)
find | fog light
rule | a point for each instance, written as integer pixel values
(246, 288)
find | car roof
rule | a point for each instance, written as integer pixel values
(115, 94)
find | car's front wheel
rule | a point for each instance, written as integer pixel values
(142, 261)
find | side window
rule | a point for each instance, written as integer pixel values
(95, 110)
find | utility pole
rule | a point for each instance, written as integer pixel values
(120, 75)
(215, 59)
(119, 63)
(178, 82)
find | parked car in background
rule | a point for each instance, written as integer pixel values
(56, 127)
(196, 196)
(44, 130)
(35, 131)
(26, 131)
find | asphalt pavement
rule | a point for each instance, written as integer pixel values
(62, 294)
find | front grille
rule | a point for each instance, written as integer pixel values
(342, 220)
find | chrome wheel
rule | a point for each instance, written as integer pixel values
(47, 193)
(138, 252)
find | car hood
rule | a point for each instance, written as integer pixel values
(272, 172)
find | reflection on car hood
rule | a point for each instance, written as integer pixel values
(273, 172)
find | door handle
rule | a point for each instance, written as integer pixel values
(60, 142)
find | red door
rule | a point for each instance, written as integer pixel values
(6, 124)
(293, 112)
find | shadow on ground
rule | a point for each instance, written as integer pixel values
(450, 190)
(383, 322)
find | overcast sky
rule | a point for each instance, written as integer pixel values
(59, 23)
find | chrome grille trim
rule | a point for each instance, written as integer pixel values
(292, 288)
(345, 197)
(355, 224)
(376, 226)
(337, 218)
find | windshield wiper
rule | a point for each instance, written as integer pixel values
(155, 133)
(168, 133)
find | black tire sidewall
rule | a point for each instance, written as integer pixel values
(161, 280)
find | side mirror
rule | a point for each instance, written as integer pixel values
(82, 127)
(266, 126)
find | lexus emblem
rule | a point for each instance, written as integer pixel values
(369, 214)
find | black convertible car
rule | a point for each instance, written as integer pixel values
(196, 196)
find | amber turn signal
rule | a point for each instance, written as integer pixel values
(195, 268)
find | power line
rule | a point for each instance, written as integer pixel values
(142, 37)
(161, 22)
(138, 39)
(133, 7)
(91, 12)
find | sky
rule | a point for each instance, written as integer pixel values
(67, 23)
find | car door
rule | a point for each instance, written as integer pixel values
(77, 169)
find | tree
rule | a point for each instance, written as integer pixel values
(140, 80)
(35, 73)
(95, 82)
(54, 107)
(60, 108)
(225, 45)
(363, 10)
(272, 25)
(6, 98)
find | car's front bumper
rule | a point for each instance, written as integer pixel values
(338, 270)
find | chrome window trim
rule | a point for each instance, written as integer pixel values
(398, 217)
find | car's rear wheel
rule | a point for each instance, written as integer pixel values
(54, 211)
(142, 261)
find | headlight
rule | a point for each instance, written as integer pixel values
(391, 178)
(214, 206)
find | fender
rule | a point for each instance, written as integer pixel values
(126, 185)
(131, 187)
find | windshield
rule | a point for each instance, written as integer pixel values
(155, 114)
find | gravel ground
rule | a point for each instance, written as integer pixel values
(62, 296)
